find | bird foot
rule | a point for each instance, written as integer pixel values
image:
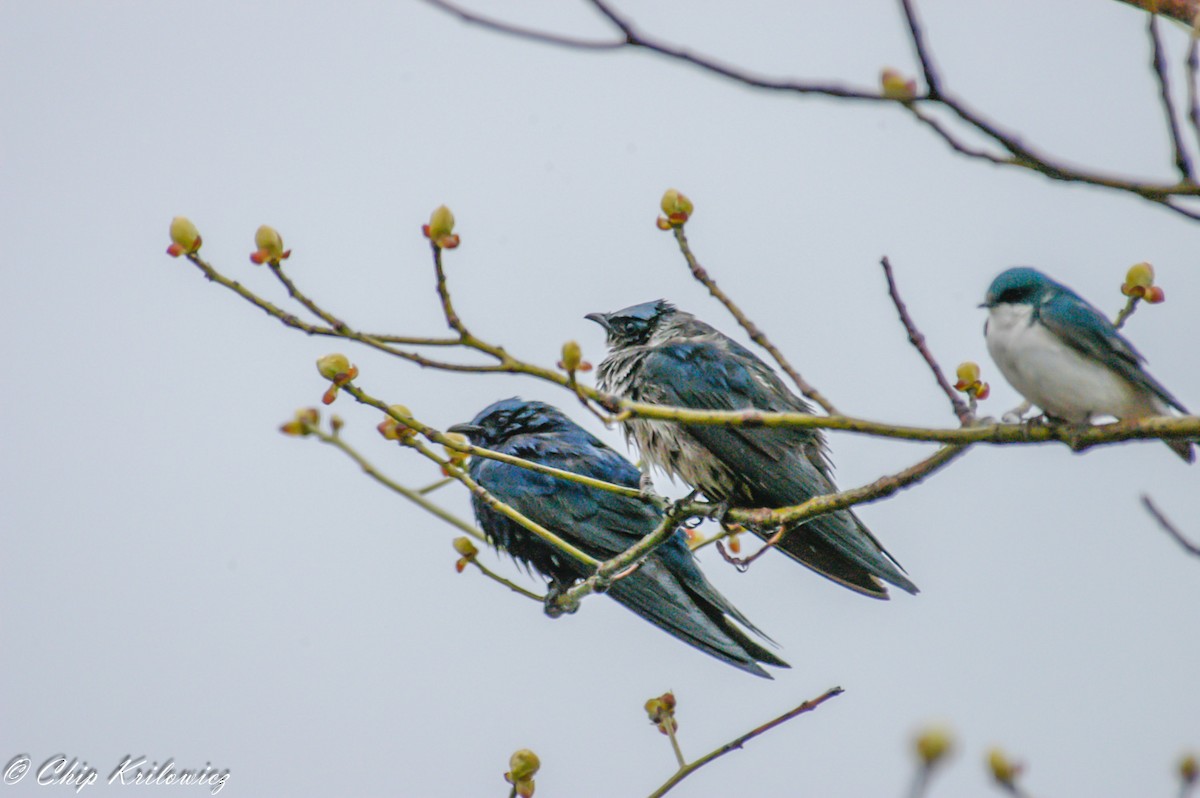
(1017, 414)
(558, 603)
(676, 509)
(649, 494)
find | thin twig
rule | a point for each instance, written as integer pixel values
(626, 562)
(1022, 156)
(1169, 527)
(915, 337)
(1183, 10)
(1159, 64)
(752, 329)
(413, 496)
(872, 492)
(522, 32)
(1162, 427)
(513, 586)
(670, 730)
(294, 322)
(1193, 66)
(733, 745)
(932, 81)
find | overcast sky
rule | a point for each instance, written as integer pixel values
(179, 580)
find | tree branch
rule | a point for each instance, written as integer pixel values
(738, 742)
(756, 334)
(1169, 527)
(965, 416)
(1022, 156)
(1158, 63)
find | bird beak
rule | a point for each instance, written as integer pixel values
(466, 429)
(599, 318)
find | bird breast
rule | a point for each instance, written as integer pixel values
(1054, 376)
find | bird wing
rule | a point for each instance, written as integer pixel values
(1086, 330)
(669, 590)
(780, 466)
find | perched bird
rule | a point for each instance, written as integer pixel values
(1066, 357)
(664, 356)
(668, 589)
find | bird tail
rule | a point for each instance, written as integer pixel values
(839, 547)
(1184, 449)
(698, 615)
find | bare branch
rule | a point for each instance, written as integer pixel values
(1183, 10)
(932, 81)
(524, 33)
(1169, 527)
(756, 334)
(917, 339)
(1021, 155)
(738, 742)
(1159, 64)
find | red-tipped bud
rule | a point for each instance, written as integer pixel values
(185, 238)
(677, 208)
(269, 246)
(456, 457)
(467, 550)
(572, 358)
(303, 422)
(523, 765)
(896, 87)
(969, 382)
(1139, 284)
(440, 229)
(661, 712)
(1004, 770)
(394, 430)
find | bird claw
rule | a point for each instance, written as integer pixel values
(1017, 414)
(676, 509)
(649, 494)
(558, 603)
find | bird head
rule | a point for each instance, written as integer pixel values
(501, 420)
(1018, 286)
(633, 325)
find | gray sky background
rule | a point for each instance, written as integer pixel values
(180, 580)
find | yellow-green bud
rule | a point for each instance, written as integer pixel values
(933, 744)
(440, 229)
(896, 87)
(677, 208)
(333, 366)
(1140, 274)
(454, 455)
(523, 764)
(185, 238)
(270, 246)
(465, 547)
(1004, 770)
(572, 356)
(1189, 769)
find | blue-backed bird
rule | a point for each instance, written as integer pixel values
(669, 590)
(663, 356)
(1066, 357)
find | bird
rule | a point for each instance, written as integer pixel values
(1065, 356)
(664, 356)
(668, 589)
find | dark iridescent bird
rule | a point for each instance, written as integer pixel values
(668, 590)
(1066, 357)
(663, 356)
